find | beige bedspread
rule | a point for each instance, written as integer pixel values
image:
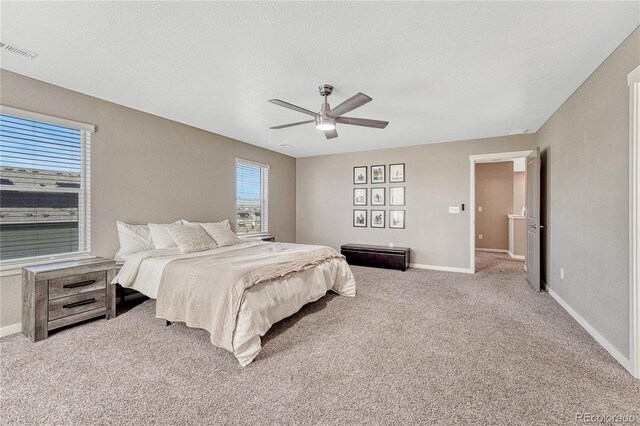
(206, 292)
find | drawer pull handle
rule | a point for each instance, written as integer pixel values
(80, 284)
(83, 302)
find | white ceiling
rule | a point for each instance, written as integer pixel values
(437, 71)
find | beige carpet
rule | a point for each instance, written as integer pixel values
(412, 347)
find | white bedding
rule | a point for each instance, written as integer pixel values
(263, 305)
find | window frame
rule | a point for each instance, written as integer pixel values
(13, 266)
(264, 198)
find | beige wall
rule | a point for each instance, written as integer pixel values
(494, 194)
(437, 176)
(519, 191)
(149, 169)
(585, 185)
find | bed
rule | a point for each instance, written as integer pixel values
(238, 292)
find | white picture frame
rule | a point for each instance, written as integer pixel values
(396, 172)
(359, 196)
(378, 196)
(377, 218)
(396, 219)
(396, 196)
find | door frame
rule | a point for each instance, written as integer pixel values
(633, 80)
(478, 159)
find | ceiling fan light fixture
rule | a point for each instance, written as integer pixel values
(325, 123)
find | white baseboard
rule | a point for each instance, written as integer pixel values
(515, 256)
(441, 268)
(10, 329)
(625, 362)
(492, 250)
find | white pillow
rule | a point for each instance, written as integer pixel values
(160, 237)
(221, 232)
(133, 239)
(190, 238)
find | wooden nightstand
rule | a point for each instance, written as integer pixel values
(59, 294)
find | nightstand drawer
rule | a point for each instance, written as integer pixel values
(76, 284)
(70, 305)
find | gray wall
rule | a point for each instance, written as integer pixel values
(437, 176)
(586, 196)
(494, 193)
(148, 169)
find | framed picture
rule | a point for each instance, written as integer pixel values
(359, 196)
(360, 175)
(396, 196)
(377, 197)
(396, 219)
(377, 174)
(360, 218)
(396, 172)
(377, 218)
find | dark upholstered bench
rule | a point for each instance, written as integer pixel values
(377, 256)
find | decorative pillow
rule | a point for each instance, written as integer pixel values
(221, 232)
(133, 239)
(190, 238)
(159, 235)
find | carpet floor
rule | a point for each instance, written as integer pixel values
(412, 347)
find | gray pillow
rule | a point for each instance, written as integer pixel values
(190, 238)
(221, 233)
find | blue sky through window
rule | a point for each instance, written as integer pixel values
(248, 183)
(36, 145)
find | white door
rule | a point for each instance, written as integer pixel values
(533, 219)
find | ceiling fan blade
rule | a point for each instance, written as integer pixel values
(350, 104)
(292, 124)
(292, 106)
(330, 134)
(378, 124)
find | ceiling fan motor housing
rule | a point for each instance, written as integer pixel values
(325, 89)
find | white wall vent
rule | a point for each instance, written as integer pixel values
(17, 50)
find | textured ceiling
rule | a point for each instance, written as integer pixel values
(438, 71)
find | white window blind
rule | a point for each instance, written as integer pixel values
(44, 187)
(252, 197)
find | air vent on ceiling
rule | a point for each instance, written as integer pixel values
(517, 132)
(17, 50)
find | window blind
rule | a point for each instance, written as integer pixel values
(44, 187)
(252, 197)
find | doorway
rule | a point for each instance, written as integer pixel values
(500, 211)
(498, 199)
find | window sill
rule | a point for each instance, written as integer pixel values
(13, 269)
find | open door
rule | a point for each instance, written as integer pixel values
(533, 219)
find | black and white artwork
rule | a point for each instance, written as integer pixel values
(360, 175)
(360, 218)
(377, 218)
(377, 197)
(396, 196)
(359, 196)
(396, 219)
(396, 172)
(377, 174)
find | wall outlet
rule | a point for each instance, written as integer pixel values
(479, 236)
(454, 209)
(479, 208)
(390, 245)
(562, 273)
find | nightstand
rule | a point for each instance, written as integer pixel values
(59, 294)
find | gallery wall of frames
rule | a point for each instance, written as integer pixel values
(385, 190)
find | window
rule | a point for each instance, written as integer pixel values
(44, 187)
(252, 198)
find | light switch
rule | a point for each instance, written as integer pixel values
(479, 208)
(454, 209)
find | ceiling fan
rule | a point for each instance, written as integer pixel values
(327, 118)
